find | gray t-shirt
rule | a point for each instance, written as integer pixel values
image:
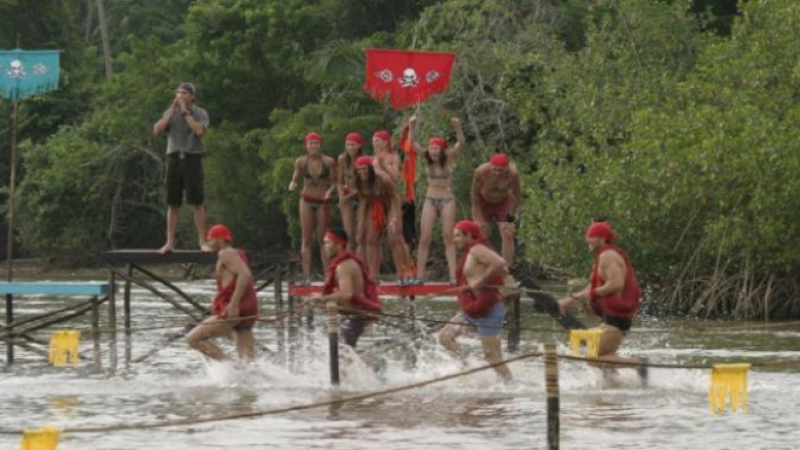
(181, 137)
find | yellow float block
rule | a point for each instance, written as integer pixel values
(64, 347)
(728, 381)
(45, 438)
(589, 338)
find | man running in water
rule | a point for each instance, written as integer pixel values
(350, 286)
(235, 306)
(613, 293)
(480, 274)
(496, 194)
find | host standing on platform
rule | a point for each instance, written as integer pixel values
(186, 125)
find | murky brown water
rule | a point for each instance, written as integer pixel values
(471, 412)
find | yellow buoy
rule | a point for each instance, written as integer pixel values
(589, 338)
(64, 347)
(45, 438)
(728, 381)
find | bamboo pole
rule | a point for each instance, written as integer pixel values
(96, 332)
(553, 406)
(126, 299)
(333, 341)
(280, 329)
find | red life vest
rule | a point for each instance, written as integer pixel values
(625, 304)
(367, 300)
(248, 304)
(477, 305)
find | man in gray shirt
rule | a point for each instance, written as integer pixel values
(186, 124)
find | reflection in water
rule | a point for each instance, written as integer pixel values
(472, 412)
(66, 406)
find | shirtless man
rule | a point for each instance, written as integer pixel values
(480, 273)
(385, 160)
(235, 306)
(319, 183)
(378, 209)
(613, 293)
(496, 194)
(350, 286)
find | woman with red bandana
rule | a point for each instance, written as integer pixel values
(386, 163)
(613, 293)
(378, 210)
(439, 199)
(319, 182)
(346, 185)
(480, 273)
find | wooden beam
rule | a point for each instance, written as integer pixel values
(151, 256)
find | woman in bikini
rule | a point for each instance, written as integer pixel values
(346, 186)
(386, 163)
(439, 199)
(378, 212)
(318, 172)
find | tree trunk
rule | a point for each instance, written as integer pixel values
(89, 20)
(101, 18)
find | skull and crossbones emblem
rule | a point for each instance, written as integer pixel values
(16, 69)
(410, 78)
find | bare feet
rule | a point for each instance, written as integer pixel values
(168, 247)
(204, 246)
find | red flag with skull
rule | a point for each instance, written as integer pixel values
(406, 77)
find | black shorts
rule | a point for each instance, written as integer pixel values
(185, 174)
(624, 325)
(352, 327)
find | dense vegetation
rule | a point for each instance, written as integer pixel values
(674, 120)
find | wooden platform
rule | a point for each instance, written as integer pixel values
(391, 289)
(152, 256)
(53, 288)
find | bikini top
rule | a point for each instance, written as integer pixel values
(437, 173)
(323, 175)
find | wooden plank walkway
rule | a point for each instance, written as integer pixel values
(392, 289)
(53, 288)
(152, 256)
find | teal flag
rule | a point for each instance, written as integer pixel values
(25, 73)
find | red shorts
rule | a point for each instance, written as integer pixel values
(219, 309)
(495, 212)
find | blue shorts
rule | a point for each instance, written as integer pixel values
(491, 324)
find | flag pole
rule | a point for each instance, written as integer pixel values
(11, 192)
(12, 184)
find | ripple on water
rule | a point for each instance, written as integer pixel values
(466, 413)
